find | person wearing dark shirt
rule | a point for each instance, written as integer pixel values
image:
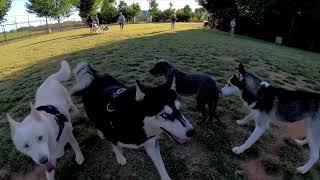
(173, 23)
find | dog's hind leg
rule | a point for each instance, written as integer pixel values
(212, 106)
(301, 142)
(314, 145)
(245, 120)
(201, 105)
(153, 150)
(262, 124)
(75, 146)
(119, 156)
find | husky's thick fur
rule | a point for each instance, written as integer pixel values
(276, 104)
(202, 85)
(131, 117)
(41, 135)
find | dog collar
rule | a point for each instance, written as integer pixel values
(59, 117)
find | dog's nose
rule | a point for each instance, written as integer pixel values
(43, 160)
(190, 133)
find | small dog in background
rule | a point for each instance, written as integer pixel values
(205, 88)
(43, 134)
(104, 28)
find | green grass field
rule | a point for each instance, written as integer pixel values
(128, 56)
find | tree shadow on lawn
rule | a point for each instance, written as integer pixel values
(127, 61)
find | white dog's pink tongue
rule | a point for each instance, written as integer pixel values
(49, 166)
(181, 141)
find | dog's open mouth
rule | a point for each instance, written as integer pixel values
(173, 137)
(49, 167)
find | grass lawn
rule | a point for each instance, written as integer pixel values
(128, 56)
(17, 35)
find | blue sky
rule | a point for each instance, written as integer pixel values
(19, 13)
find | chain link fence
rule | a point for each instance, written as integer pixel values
(12, 30)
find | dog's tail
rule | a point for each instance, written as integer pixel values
(84, 77)
(64, 74)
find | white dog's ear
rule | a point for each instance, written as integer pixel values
(13, 124)
(173, 84)
(34, 113)
(139, 94)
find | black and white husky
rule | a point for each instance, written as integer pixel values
(268, 103)
(131, 117)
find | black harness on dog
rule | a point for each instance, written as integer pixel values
(59, 117)
(111, 106)
(169, 73)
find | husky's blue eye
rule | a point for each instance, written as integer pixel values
(165, 115)
(26, 146)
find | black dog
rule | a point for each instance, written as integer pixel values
(131, 117)
(202, 85)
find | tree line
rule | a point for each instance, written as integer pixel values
(296, 21)
(106, 10)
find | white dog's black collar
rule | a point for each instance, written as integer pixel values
(59, 117)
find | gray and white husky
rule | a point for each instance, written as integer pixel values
(270, 104)
(43, 134)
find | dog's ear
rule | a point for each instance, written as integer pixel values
(34, 113)
(173, 83)
(13, 124)
(139, 91)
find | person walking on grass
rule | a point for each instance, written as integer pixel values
(233, 25)
(121, 20)
(173, 22)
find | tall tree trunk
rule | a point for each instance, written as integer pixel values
(48, 28)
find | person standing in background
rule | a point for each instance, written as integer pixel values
(173, 22)
(233, 25)
(121, 20)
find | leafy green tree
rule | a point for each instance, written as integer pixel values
(123, 7)
(154, 10)
(4, 8)
(199, 14)
(55, 9)
(108, 11)
(133, 11)
(222, 10)
(185, 14)
(88, 7)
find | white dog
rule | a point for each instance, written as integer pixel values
(43, 134)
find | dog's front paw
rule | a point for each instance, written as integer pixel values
(302, 169)
(121, 160)
(79, 158)
(240, 122)
(237, 150)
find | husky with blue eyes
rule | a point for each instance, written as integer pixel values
(43, 134)
(131, 116)
(269, 104)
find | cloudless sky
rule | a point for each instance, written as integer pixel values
(19, 13)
